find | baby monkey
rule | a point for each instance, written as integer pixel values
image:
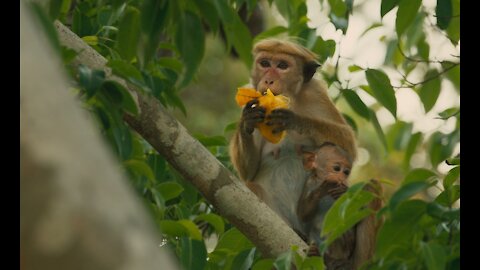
(330, 167)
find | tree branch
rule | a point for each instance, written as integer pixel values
(231, 198)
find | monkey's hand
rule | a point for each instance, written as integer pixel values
(338, 190)
(281, 119)
(323, 190)
(251, 115)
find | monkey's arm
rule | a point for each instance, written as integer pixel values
(245, 148)
(245, 155)
(320, 130)
(308, 202)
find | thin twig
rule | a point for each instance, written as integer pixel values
(411, 84)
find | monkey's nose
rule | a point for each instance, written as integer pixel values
(269, 82)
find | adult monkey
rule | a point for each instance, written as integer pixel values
(274, 172)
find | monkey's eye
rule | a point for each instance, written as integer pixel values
(346, 172)
(264, 63)
(282, 65)
(336, 168)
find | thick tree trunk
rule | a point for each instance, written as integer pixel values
(218, 185)
(77, 210)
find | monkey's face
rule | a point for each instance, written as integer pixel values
(329, 165)
(281, 73)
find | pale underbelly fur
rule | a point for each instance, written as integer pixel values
(284, 177)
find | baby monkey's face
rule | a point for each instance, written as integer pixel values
(331, 165)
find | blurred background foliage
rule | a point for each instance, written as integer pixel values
(392, 67)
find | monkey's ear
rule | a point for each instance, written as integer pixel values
(309, 160)
(309, 69)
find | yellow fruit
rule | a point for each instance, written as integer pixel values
(270, 102)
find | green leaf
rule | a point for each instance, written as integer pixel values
(407, 10)
(346, 212)
(443, 12)
(170, 190)
(243, 260)
(356, 103)
(415, 139)
(453, 160)
(90, 79)
(367, 90)
(140, 167)
(234, 240)
(423, 49)
(172, 98)
(127, 71)
(387, 5)
(417, 175)
(128, 34)
(263, 264)
(215, 220)
(338, 7)
(274, 31)
(453, 74)
(378, 129)
(90, 40)
(211, 140)
(414, 32)
(225, 13)
(170, 63)
(401, 227)
(68, 54)
(192, 229)
(313, 263)
(324, 48)
(441, 146)
(172, 228)
(230, 127)
(350, 122)
(450, 112)
(382, 89)
(123, 139)
(284, 261)
(434, 255)
(449, 196)
(443, 213)
(453, 29)
(399, 135)
(155, 15)
(354, 68)
(393, 55)
(285, 8)
(126, 101)
(209, 14)
(190, 41)
(193, 254)
(451, 177)
(54, 8)
(103, 117)
(373, 26)
(406, 191)
(339, 22)
(241, 39)
(430, 90)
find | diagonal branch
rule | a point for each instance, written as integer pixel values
(217, 184)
